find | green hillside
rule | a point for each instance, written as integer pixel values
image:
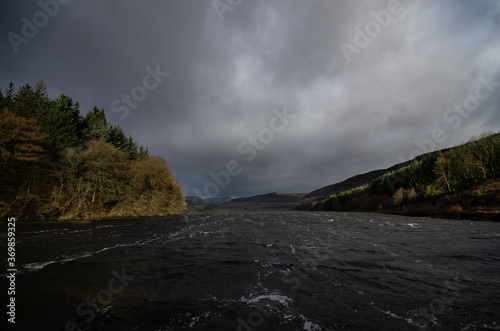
(459, 182)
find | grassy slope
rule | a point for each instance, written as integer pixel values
(420, 189)
(478, 203)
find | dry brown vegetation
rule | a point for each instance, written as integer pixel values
(101, 182)
(481, 202)
(24, 165)
(56, 164)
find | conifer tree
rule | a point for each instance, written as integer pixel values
(47, 171)
(29, 101)
(116, 137)
(61, 120)
(6, 101)
(96, 124)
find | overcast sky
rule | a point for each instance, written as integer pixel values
(282, 95)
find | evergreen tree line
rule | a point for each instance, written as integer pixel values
(56, 163)
(62, 121)
(427, 177)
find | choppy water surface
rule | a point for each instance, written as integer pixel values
(259, 271)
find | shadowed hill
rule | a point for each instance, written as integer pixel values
(270, 198)
(458, 182)
(350, 183)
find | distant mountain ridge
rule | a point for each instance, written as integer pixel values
(296, 198)
(271, 198)
(461, 182)
(213, 200)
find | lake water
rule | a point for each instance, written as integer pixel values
(259, 271)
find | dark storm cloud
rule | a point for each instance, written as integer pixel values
(355, 111)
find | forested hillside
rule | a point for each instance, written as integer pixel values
(59, 164)
(461, 180)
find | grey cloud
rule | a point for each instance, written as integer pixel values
(227, 76)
